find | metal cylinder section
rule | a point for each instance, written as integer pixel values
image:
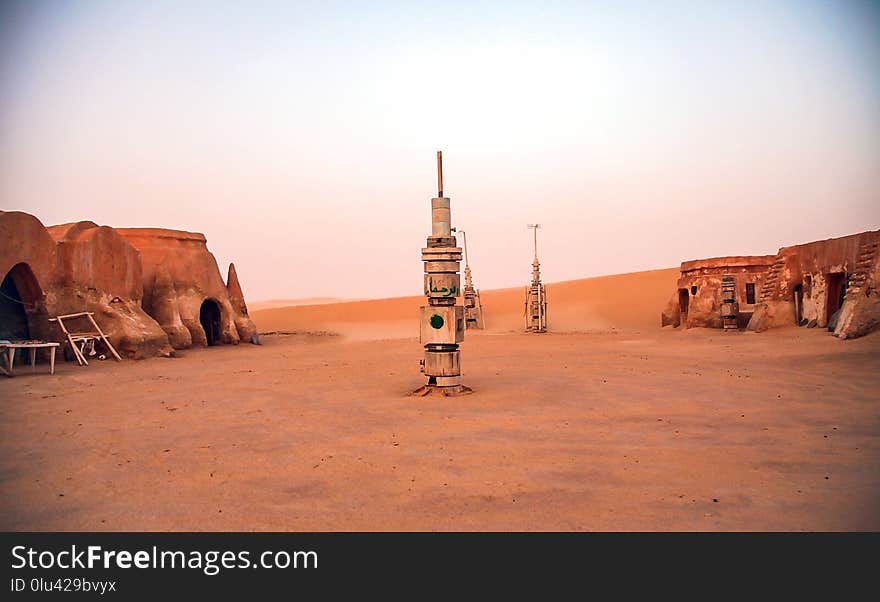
(442, 281)
(442, 368)
(443, 364)
(441, 219)
(442, 321)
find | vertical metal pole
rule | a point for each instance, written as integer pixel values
(540, 307)
(536, 241)
(440, 174)
(464, 240)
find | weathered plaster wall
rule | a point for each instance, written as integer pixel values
(861, 309)
(810, 268)
(24, 240)
(80, 267)
(179, 274)
(799, 285)
(136, 294)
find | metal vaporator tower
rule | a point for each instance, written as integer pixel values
(473, 305)
(442, 321)
(536, 295)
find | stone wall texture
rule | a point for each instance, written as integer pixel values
(700, 284)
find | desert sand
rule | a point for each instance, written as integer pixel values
(622, 301)
(606, 423)
(273, 303)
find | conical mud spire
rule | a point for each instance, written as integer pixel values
(234, 288)
(247, 330)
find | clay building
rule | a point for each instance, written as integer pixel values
(697, 300)
(828, 283)
(147, 301)
(184, 292)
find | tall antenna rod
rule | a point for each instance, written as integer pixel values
(440, 174)
(535, 228)
(464, 238)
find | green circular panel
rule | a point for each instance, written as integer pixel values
(436, 321)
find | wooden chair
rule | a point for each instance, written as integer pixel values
(83, 337)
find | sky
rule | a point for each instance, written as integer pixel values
(301, 137)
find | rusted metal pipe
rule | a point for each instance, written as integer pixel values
(440, 174)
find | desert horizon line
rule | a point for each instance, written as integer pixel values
(264, 299)
(340, 300)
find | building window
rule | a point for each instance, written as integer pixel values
(694, 291)
(750, 293)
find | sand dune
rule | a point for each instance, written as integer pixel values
(627, 302)
(272, 303)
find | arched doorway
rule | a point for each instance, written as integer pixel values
(20, 301)
(683, 302)
(209, 317)
(13, 318)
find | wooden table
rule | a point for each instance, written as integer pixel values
(32, 350)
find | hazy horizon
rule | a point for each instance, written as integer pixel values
(300, 138)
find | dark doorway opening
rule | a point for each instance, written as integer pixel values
(683, 301)
(209, 316)
(799, 304)
(836, 291)
(22, 314)
(13, 317)
(21, 304)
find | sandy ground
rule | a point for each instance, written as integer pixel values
(607, 423)
(664, 430)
